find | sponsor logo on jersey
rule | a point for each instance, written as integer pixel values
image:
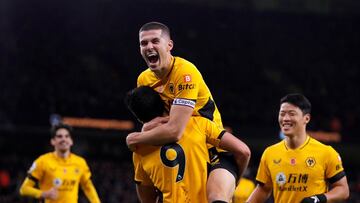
(310, 162)
(187, 78)
(184, 102)
(295, 182)
(57, 182)
(171, 88)
(186, 87)
(276, 161)
(280, 178)
(298, 178)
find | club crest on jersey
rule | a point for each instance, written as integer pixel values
(172, 88)
(293, 161)
(187, 78)
(310, 162)
(280, 178)
(277, 161)
(57, 182)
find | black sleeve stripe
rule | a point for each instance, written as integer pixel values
(336, 177)
(260, 183)
(137, 182)
(33, 178)
(221, 134)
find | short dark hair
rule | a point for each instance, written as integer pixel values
(156, 26)
(298, 100)
(145, 103)
(55, 128)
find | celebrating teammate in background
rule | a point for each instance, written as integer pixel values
(185, 93)
(58, 174)
(177, 172)
(299, 168)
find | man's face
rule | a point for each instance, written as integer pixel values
(292, 121)
(155, 49)
(62, 140)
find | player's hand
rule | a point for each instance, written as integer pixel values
(50, 194)
(321, 198)
(130, 141)
(155, 123)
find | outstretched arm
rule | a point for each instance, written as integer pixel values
(169, 132)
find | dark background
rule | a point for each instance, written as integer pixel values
(79, 58)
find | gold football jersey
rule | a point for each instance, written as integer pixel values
(302, 172)
(64, 174)
(179, 170)
(185, 86)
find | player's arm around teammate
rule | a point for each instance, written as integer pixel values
(229, 142)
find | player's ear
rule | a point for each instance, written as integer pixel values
(52, 141)
(170, 45)
(307, 118)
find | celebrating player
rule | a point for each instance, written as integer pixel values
(177, 172)
(299, 168)
(58, 174)
(185, 94)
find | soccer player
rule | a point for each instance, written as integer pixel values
(56, 176)
(177, 170)
(299, 168)
(185, 93)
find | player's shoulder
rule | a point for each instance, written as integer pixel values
(145, 73)
(77, 158)
(319, 145)
(45, 156)
(183, 65)
(200, 122)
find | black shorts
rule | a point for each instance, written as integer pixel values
(223, 160)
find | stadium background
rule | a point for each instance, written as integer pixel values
(78, 59)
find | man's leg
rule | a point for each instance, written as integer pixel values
(222, 179)
(220, 186)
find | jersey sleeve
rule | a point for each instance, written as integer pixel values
(213, 133)
(263, 174)
(37, 169)
(140, 80)
(334, 168)
(187, 83)
(140, 176)
(86, 172)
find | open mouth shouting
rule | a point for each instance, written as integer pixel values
(153, 59)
